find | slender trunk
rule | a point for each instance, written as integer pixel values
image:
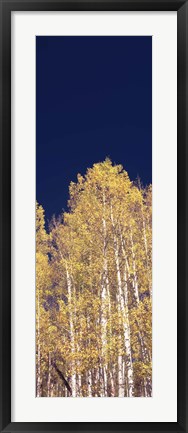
(101, 381)
(135, 281)
(109, 371)
(123, 310)
(79, 377)
(144, 386)
(89, 375)
(146, 250)
(121, 379)
(38, 350)
(144, 354)
(128, 339)
(73, 376)
(49, 375)
(105, 381)
(145, 238)
(52, 390)
(89, 383)
(120, 310)
(104, 301)
(79, 387)
(96, 380)
(112, 386)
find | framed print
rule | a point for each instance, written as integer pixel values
(93, 215)
(95, 310)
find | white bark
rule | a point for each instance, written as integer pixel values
(128, 339)
(146, 250)
(105, 381)
(38, 350)
(52, 390)
(136, 295)
(101, 381)
(89, 383)
(112, 386)
(49, 375)
(121, 379)
(135, 282)
(97, 381)
(104, 301)
(89, 375)
(79, 385)
(69, 289)
(123, 309)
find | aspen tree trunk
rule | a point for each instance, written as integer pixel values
(144, 228)
(128, 345)
(79, 377)
(73, 376)
(135, 284)
(121, 379)
(145, 237)
(146, 250)
(110, 372)
(123, 370)
(127, 340)
(38, 356)
(123, 309)
(112, 386)
(49, 375)
(79, 392)
(101, 380)
(136, 293)
(89, 375)
(100, 389)
(105, 381)
(145, 390)
(89, 383)
(104, 291)
(52, 390)
(96, 381)
(145, 358)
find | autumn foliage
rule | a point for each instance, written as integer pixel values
(94, 290)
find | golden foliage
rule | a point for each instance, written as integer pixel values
(94, 289)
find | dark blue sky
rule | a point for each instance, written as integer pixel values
(93, 99)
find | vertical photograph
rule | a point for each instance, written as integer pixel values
(93, 216)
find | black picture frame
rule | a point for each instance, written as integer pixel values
(6, 7)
